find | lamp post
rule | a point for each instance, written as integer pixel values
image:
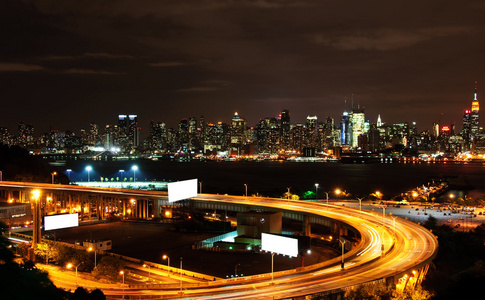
(1, 175)
(88, 168)
(360, 203)
(316, 190)
(339, 191)
(168, 263)
(122, 273)
(394, 224)
(235, 269)
(53, 174)
(69, 266)
(200, 187)
(69, 174)
(36, 218)
(93, 249)
(326, 194)
(342, 241)
(147, 266)
(288, 196)
(180, 274)
(272, 267)
(134, 168)
(246, 186)
(122, 173)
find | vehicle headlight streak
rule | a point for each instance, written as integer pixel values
(376, 240)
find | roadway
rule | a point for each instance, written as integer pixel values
(389, 247)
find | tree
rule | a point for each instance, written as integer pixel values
(369, 291)
(18, 283)
(110, 267)
(6, 255)
(431, 223)
(418, 293)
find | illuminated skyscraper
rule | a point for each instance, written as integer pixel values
(238, 130)
(311, 131)
(346, 128)
(285, 129)
(474, 116)
(129, 131)
(358, 126)
(93, 136)
(466, 132)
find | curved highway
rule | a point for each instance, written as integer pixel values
(389, 248)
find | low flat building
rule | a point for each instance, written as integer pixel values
(104, 244)
(15, 214)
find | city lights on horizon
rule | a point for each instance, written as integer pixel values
(270, 138)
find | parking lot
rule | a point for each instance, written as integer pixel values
(461, 218)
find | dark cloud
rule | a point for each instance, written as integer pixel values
(166, 60)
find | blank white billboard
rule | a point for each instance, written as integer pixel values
(61, 221)
(279, 244)
(182, 190)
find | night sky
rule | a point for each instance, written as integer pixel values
(65, 64)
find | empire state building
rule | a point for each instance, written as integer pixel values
(474, 116)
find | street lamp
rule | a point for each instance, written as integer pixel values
(147, 266)
(121, 173)
(288, 193)
(342, 241)
(69, 174)
(88, 168)
(69, 266)
(360, 203)
(165, 257)
(394, 224)
(452, 197)
(134, 168)
(246, 186)
(36, 219)
(272, 267)
(338, 192)
(383, 211)
(316, 190)
(122, 273)
(180, 274)
(235, 269)
(53, 174)
(93, 249)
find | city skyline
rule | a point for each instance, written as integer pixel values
(64, 67)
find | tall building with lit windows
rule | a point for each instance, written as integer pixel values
(285, 129)
(466, 132)
(346, 128)
(311, 132)
(238, 130)
(25, 134)
(129, 131)
(474, 116)
(358, 126)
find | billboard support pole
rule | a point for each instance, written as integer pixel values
(272, 267)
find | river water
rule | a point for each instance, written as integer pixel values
(271, 178)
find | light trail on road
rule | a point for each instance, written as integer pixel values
(384, 251)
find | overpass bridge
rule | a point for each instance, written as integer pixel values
(391, 250)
